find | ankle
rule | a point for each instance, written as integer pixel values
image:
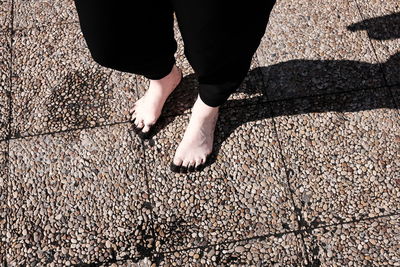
(173, 74)
(204, 114)
(167, 83)
(201, 107)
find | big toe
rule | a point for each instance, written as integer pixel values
(177, 161)
(176, 164)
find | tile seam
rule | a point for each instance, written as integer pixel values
(258, 238)
(7, 160)
(297, 211)
(45, 25)
(280, 234)
(188, 113)
(147, 179)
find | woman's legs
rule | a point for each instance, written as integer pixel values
(220, 39)
(135, 37)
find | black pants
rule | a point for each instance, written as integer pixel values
(220, 38)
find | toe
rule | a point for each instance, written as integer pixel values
(140, 124)
(185, 166)
(201, 163)
(186, 163)
(203, 159)
(198, 162)
(192, 166)
(192, 163)
(146, 128)
(176, 166)
(178, 161)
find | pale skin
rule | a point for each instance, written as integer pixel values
(197, 141)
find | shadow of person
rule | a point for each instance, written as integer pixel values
(385, 28)
(317, 79)
(379, 28)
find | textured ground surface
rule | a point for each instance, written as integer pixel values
(306, 169)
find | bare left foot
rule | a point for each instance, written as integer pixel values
(147, 109)
(197, 142)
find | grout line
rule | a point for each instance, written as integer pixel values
(187, 113)
(67, 130)
(153, 248)
(7, 154)
(45, 25)
(280, 234)
(288, 173)
(259, 238)
(297, 211)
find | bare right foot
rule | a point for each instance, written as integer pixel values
(197, 143)
(147, 109)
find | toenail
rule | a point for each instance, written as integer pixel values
(200, 167)
(183, 169)
(177, 161)
(174, 168)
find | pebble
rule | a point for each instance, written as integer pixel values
(239, 249)
(64, 250)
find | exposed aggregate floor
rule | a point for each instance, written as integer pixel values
(306, 162)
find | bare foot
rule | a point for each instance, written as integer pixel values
(197, 142)
(147, 109)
